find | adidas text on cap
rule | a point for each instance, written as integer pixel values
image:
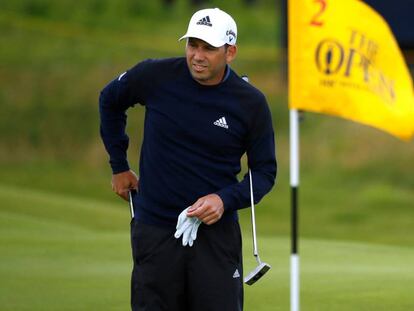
(213, 26)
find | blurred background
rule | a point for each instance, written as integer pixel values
(64, 236)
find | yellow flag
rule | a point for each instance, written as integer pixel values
(344, 61)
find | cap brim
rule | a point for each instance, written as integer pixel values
(205, 38)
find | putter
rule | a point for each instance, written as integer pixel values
(131, 204)
(262, 267)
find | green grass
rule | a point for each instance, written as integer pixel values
(60, 252)
(335, 276)
(341, 206)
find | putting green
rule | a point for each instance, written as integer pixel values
(67, 253)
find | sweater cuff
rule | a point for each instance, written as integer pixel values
(119, 167)
(227, 198)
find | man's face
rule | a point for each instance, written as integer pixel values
(206, 62)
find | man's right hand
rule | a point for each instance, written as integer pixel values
(123, 182)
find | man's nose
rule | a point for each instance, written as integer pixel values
(199, 54)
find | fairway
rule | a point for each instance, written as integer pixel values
(60, 252)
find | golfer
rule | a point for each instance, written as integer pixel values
(200, 118)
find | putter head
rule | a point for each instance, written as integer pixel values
(257, 273)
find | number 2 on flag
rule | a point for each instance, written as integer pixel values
(316, 20)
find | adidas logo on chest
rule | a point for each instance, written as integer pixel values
(221, 123)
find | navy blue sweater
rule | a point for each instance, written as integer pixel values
(194, 138)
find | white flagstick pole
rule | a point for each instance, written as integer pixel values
(294, 183)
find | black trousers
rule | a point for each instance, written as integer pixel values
(169, 277)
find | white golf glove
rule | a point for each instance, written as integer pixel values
(187, 227)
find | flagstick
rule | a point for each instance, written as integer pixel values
(294, 183)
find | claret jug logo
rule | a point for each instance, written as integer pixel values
(329, 56)
(353, 64)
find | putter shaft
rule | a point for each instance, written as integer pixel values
(262, 267)
(131, 205)
(255, 252)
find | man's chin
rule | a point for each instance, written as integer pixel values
(201, 77)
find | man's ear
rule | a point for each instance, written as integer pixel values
(231, 53)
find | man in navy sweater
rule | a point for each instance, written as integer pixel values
(200, 118)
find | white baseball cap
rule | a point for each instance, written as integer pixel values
(213, 26)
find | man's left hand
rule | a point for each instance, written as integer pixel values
(208, 209)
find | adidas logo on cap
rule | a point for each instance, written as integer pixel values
(205, 21)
